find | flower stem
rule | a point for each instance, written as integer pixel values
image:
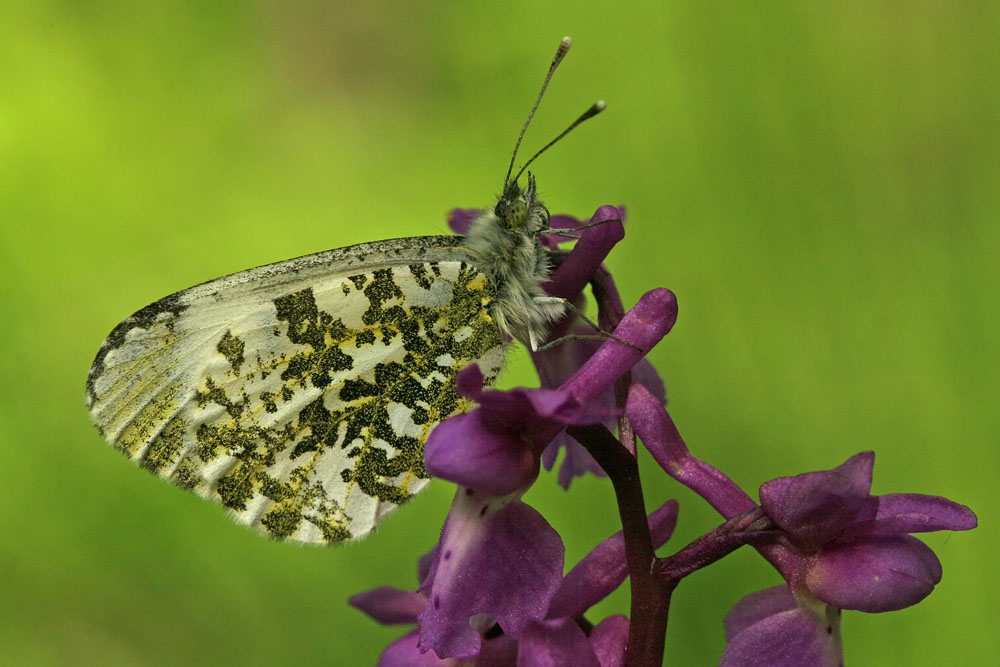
(752, 525)
(650, 592)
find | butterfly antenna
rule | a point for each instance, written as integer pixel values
(596, 108)
(560, 54)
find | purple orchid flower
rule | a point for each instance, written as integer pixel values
(856, 549)
(840, 546)
(557, 364)
(554, 635)
(498, 562)
(493, 592)
(493, 454)
(854, 552)
(775, 627)
(497, 447)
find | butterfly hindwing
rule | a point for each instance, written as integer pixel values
(300, 394)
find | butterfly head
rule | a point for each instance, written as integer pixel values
(520, 210)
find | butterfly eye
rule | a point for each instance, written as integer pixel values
(513, 211)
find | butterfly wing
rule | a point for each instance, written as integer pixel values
(300, 394)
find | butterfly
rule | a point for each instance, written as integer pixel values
(300, 394)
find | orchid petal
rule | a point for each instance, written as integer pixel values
(875, 575)
(787, 639)
(609, 639)
(643, 326)
(900, 513)
(464, 449)
(506, 563)
(390, 606)
(555, 643)
(573, 274)
(820, 507)
(757, 606)
(404, 653)
(460, 219)
(498, 651)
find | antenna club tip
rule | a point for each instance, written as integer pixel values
(600, 105)
(567, 41)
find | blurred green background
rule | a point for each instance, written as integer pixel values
(820, 185)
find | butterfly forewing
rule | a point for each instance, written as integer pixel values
(300, 394)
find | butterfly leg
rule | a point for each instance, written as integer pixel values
(600, 335)
(571, 232)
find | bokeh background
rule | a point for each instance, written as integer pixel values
(818, 183)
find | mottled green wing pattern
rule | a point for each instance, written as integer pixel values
(300, 394)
